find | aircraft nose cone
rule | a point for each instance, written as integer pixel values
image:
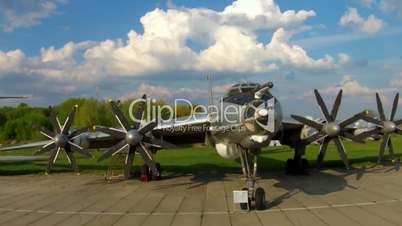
(133, 137)
(389, 127)
(60, 140)
(332, 129)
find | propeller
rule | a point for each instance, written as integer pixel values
(62, 139)
(134, 136)
(384, 126)
(330, 129)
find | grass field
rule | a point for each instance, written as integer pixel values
(199, 160)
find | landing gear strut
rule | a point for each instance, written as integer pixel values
(256, 197)
(147, 175)
(298, 165)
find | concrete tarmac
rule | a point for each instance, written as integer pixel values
(330, 197)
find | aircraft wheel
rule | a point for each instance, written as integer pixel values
(306, 166)
(158, 166)
(260, 199)
(290, 166)
(245, 206)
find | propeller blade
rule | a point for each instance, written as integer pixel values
(113, 150)
(129, 162)
(384, 144)
(353, 138)
(366, 134)
(52, 159)
(55, 120)
(372, 120)
(323, 150)
(48, 147)
(323, 107)
(308, 122)
(341, 151)
(119, 134)
(147, 127)
(398, 131)
(380, 107)
(147, 157)
(47, 133)
(391, 148)
(337, 103)
(352, 119)
(316, 137)
(120, 116)
(140, 111)
(69, 121)
(394, 107)
(158, 143)
(72, 160)
(79, 149)
(398, 122)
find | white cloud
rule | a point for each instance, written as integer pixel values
(344, 59)
(392, 6)
(10, 61)
(227, 43)
(23, 13)
(351, 18)
(259, 14)
(349, 86)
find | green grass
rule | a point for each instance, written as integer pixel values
(204, 160)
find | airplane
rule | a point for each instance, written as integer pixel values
(240, 135)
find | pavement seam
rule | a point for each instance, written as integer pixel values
(41, 211)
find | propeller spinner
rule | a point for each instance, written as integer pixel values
(62, 139)
(331, 129)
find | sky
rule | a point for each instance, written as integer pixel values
(57, 49)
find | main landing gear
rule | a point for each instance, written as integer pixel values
(298, 165)
(148, 175)
(256, 197)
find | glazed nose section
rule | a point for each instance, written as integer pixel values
(265, 115)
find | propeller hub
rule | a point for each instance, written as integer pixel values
(133, 137)
(60, 140)
(332, 129)
(389, 127)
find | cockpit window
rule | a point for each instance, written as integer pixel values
(242, 88)
(243, 93)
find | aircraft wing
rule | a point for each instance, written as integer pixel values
(14, 97)
(22, 158)
(25, 146)
(184, 130)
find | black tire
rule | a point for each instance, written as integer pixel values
(158, 167)
(290, 166)
(245, 206)
(260, 199)
(305, 164)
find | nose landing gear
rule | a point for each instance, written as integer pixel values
(256, 197)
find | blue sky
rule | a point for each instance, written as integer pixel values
(56, 49)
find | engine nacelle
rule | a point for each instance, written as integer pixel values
(82, 141)
(228, 151)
